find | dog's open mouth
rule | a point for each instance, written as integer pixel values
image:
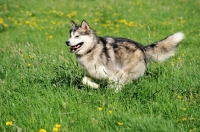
(75, 47)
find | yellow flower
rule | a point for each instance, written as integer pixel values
(184, 109)
(100, 109)
(9, 123)
(73, 13)
(192, 130)
(50, 36)
(28, 64)
(98, 32)
(57, 125)
(61, 13)
(119, 123)
(69, 15)
(110, 111)
(184, 119)
(53, 22)
(179, 97)
(27, 22)
(5, 25)
(1, 21)
(31, 56)
(55, 129)
(131, 24)
(42, 130)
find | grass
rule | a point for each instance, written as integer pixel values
(40, 79)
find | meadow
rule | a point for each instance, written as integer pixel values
(40, 80)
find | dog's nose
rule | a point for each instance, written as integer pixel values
(67, 43)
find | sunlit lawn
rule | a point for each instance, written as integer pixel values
(40, 80)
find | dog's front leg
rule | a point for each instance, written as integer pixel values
(87, 81)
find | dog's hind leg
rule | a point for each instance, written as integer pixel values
(87, 81)
(115, 84)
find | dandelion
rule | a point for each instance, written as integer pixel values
(31, 56)
(35, 25)
(5, 25)
(28, 64)
(110, 111)
(98, 32)
(50, 36)
(29, 13)
(9, 123)
(19, 24)
(119, 123)
(123, 21)
(184, 119)
(1, 21)
(179, 97)
(53, 22)
(57, 125)
(61, 13)
(27, 22)
(184, 109)
(70, 15)
(131, 24)
(55, 129)
(100, 109)
(116, 31)
(42, 130)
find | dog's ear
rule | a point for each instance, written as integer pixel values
(85, 26)
(73, 24)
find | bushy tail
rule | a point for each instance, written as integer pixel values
(162, 50)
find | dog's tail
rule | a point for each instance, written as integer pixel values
(162, 50)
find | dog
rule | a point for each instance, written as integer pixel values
(120, 60)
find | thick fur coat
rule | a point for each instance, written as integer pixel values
(119, 60)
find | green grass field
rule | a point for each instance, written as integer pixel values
(40, 80)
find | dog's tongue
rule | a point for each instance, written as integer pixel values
(74, 48)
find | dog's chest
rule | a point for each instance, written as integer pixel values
(94, 68)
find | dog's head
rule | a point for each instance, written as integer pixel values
(81, 38)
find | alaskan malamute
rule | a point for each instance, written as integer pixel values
(119, 60)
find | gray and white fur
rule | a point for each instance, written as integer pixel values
(119, 60)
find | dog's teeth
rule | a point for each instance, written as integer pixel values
(78, 46)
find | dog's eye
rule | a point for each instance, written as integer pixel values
(76, 36)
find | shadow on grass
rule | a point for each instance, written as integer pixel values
(67, 76)
(72, 77)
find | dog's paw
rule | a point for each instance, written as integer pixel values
(87, 81)
(118, 87)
